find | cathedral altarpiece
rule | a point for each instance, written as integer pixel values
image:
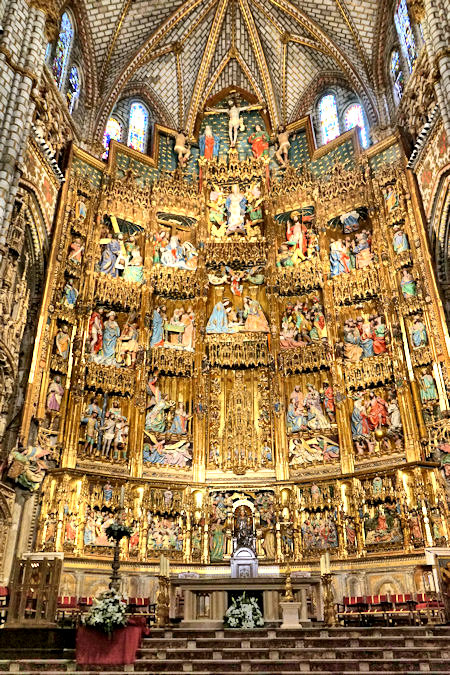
(235, 337)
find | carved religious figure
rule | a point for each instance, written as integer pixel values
(62, 342)
(209, 143)
(243, 527)
(236, 122)
(182, 147)
(282, 152)
(259, 140)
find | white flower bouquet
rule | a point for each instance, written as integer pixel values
(243, 613)
(107, 613)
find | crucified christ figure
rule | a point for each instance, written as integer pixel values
(234, 113)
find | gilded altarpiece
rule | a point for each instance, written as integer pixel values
(242, 344)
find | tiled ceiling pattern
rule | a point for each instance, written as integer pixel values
(104, 15)
(231, 76)
(330, 35)
(271, 41)
(192, 54)
(141, 20)
(364, 15)
(160, 77)
(303, 65)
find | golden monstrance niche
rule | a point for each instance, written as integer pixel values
(240, 350)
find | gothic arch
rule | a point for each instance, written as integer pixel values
(439, 233)
(387, 581)
(90, 79)
(156, 107)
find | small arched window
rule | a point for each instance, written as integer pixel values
(73, 88)
(113, 132)
(396, 76)
(354, 117)
(328, 118)
(405, 33)
(62, 50)
(138, 126)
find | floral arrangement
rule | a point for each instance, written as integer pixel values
(118, 531)
(243, 613)
(107, 613)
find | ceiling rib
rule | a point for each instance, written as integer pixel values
(205, 64)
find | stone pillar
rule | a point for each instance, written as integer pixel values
(304, 606)
(22, 50)
(437, 27)
(218, 605)
(11, 542)
(271, 606)
(190, 612)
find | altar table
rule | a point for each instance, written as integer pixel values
(206, 598)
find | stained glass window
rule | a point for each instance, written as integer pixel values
(62, 50)
(328, 118)
(354, 117)
(73, 88)
(405, 32)
(137, 127)
(113, 132)
(396, 76)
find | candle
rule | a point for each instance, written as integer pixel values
(161, 565)
(327, 563)
(167, 566)
(322, 565)
(122, 496)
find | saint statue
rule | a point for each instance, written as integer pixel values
(182, 148)
(259, 140)
(236, 203)
(209, 143)
(243, 528)
(282, 153)
(408, 284)
(62, 342)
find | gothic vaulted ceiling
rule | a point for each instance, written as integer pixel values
(181, 52)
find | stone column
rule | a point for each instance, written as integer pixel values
(11, 542)
(304, 606)
(218, 605)
(22, 50)
(437, 27)
(190, 612)
(271, 606)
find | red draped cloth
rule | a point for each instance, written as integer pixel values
(96, 648)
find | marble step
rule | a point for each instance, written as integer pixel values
(293, 643)
(270, 652)
(260, 672)
(340, 632)
(298, 666)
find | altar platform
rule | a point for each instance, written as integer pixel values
(206, 599)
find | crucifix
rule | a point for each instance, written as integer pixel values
(234, 112)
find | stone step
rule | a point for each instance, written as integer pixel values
(270, 652)
(293, 642)
(260, 672)
(316, 632)
(277, 666)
